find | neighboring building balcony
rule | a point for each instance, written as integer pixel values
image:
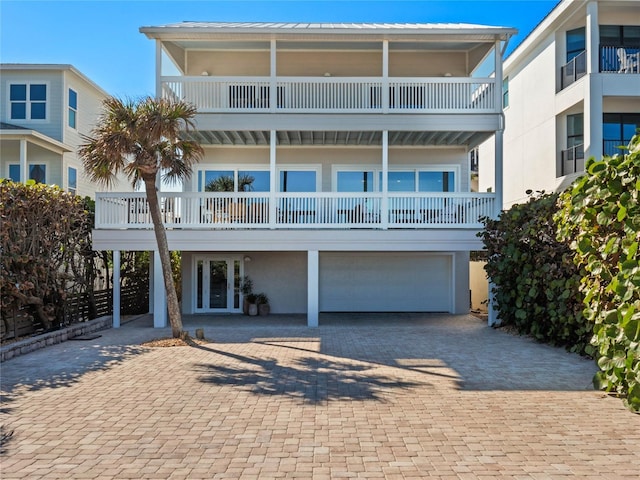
(613, 59)
(323, 210)
(619, 59)
(573, 160)
(573, 70)
(334, 94)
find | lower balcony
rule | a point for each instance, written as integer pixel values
(205, 210)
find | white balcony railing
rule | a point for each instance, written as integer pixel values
(206, 210)
(334, 94)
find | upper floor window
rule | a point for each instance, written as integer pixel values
(297, 180)
(73, 108)
(620, 35)
(617, 130)
(72, 180)
(619, 48)
(28, 101)
(233, 180)
(355, 181)
(505, 92)
(576, 43)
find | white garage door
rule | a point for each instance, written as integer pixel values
(383, 282)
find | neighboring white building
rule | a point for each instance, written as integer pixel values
(354, 142)
(44, 111)
(571, 91)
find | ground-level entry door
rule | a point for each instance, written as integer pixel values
(217, 284)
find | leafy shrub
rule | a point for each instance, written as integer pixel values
(536, 284)
(45, 249)
(601, 217)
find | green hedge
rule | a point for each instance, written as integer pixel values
(536, 283)
(601, 218)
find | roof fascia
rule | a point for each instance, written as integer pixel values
(61, 67)
(36, 138)
(556, 17)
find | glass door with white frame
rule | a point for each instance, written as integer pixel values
(217, 285)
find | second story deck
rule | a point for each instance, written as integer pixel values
(333, 94)
(296, 211)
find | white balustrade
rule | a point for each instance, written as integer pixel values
(206, 210)
(333, 94)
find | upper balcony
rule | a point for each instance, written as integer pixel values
(295, 211)
(612, 59)
(334, 94)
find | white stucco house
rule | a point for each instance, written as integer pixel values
(43, 113)
(571, 91)
(346, 147)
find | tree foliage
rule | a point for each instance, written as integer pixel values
(536, 282)
(45, 249)
(142, 139)
(601, 218)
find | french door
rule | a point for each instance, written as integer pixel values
(218, 284)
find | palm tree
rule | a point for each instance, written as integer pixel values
(141, 139)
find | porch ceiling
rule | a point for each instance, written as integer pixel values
(351, 138)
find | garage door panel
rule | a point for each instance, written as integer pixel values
(367, 282)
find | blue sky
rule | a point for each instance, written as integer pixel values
(101, 38)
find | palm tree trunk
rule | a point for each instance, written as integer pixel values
(175, 318)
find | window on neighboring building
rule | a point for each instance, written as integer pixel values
(505, 92)
(28, 101)
(617, 130)
(72, 180)
(620, 35)
(73, 108)
(575, 130)
(38, 173)
(14, 172)
(575, 43)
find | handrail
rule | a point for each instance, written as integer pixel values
(323, 210)
(333, 94)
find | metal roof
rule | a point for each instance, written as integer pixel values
(329, 28)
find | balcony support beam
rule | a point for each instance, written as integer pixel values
(116, 289)
(159, 297)
(313, 285)
(384, 221)
(273, 139)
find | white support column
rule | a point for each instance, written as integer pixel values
(160, 297)
(313, 285)
(273, 91)
(493, 311)
(498, 170)
(384, 97)
(151, 282)
(24, 167)
(116, 289)
(384, 208)
(592, 38)
(273, 207)
(593, 96)
(158, 69)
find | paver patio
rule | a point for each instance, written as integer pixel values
(397, 396)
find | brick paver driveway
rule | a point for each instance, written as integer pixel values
(365, 396)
